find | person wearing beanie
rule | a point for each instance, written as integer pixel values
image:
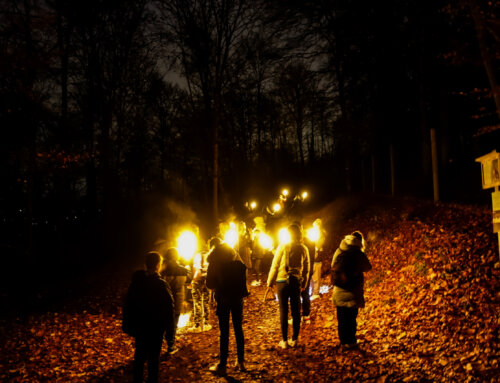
(348, 265)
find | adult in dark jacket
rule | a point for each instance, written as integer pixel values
(147, 315)
(226, 275)
(348, 265)
(176, 276)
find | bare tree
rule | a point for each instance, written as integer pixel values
(206, 36)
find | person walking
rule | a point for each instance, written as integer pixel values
(316, 260)
(200, 294)
(348, 265)
(148, 313)
(176, 276)
(226, 275)
(290, 270)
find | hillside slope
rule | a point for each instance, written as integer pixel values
(432, 313)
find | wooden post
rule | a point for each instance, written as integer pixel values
(494, 207)
(393, 181)
(435, 178)
(373, 173)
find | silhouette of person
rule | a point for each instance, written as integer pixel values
(148, 313)
(226, 275)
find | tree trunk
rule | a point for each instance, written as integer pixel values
(373, 173)
(215, 180)
(393, 170)
(486, 56)
(435, 178)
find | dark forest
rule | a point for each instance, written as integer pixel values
(120, 120)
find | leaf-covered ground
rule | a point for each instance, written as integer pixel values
(432, 314)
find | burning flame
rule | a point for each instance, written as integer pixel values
(313, 234)
(284, 236)
(231, 235)
(276, 207)
(253, 205)
(304, 195)
(265, 241)
(187, 245)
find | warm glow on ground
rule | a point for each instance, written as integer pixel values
(183, 320)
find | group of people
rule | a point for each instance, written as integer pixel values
(152, 308)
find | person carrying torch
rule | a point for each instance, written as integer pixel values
(200, 294)
(316, 236)
(176, 276)
(290, 270)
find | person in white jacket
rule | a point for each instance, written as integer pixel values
(348, 265)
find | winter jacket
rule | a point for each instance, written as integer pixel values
(226, 274)
(292, 259)
(148, 305)
(348, 265)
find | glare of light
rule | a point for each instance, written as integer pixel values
(265, 241)
(324, 289)
(276, 207)
(304, 195)
(285, 192)
(313, 234)
(284, 236)
(187, 245)
(253, 205)
(183, 320)
(231, 236)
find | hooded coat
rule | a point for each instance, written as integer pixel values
(348, 265)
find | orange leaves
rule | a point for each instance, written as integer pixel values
(431, 314)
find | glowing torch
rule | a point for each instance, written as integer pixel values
(231, 235)
(284, 236)
(276, 207)
(187, 245)
(265, 241)
(313, 234)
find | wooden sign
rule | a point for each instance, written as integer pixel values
(490, 169)
(495, 201)
(496, 222)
